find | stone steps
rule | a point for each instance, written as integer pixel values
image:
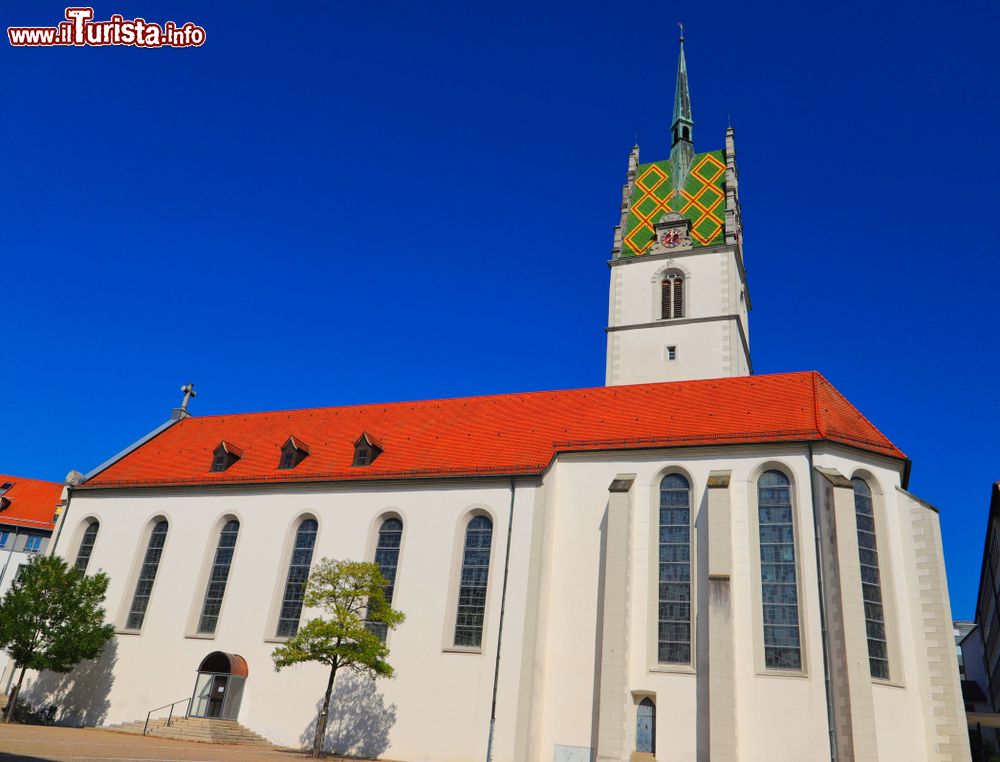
(194, 729)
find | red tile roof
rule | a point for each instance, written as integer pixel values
(32, 502)
(501, 434)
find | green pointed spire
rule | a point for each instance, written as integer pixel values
(682, 130)
(682, 98)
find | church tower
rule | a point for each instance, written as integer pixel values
(678, 306)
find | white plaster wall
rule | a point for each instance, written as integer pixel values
(705, 274)
(640, 356)
(547, 689)
(441, 698)
(900, 696)
(766, 703)
(713, 287)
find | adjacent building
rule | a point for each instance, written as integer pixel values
(28, 512)
(689, 563)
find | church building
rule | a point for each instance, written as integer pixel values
(691, 562)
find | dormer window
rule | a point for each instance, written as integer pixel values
(293, 452)
(5, 486)
(4, 503)
(225, 455)
(366, 449)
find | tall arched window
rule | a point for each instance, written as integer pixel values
(779, 590)
(87, 546)
(147, 576)
(674, 632)
(298, 574)
(871, 581)
(218, 577)
(472, 585)
(672, 296)
(390, 535)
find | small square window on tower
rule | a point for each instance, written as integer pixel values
(671, 352)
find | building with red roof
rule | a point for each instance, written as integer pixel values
(29, 509)
(691, 562)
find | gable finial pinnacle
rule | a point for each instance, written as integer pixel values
(182, 411)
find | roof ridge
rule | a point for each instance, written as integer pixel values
(815, 390)
(495, 395)
(14, 477)
(502, 433)
(854, 407)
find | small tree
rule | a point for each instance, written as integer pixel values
(52, 618)
(352, 596)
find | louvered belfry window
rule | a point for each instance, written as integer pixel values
(672, 296)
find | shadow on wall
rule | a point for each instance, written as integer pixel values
(81, 695)
(359, 722)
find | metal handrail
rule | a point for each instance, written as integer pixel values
(170, 716)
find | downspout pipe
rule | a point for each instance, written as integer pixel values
(503, 606)
(824, 633)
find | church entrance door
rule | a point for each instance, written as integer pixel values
(218, 688)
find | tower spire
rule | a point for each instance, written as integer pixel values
(682, 129)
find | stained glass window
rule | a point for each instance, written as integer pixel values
(147, 576)
(218, 577)
(871, 581)
(779, 590)
(87, 546)
(472, 586)
(298, 575)
(674, 630)
(390, 535)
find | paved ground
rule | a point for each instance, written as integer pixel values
(28, 743)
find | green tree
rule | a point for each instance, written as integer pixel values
(52, 618)
(351, 595)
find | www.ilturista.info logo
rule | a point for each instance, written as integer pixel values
(80, 29)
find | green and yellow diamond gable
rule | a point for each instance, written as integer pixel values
(702, 200)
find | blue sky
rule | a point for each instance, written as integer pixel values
(348, 202)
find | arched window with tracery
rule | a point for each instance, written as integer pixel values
(672, 296)
(218, 577)
(298, 574)
(87, 543)
(473, 582)
(871, 580)
(674, 601)
(778, 572)
(147, 575)
(390, 537)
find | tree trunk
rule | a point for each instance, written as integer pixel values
(324, 715)
(13, 697)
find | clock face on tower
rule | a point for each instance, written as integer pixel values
(672, 238)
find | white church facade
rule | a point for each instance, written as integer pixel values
(690, 563)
